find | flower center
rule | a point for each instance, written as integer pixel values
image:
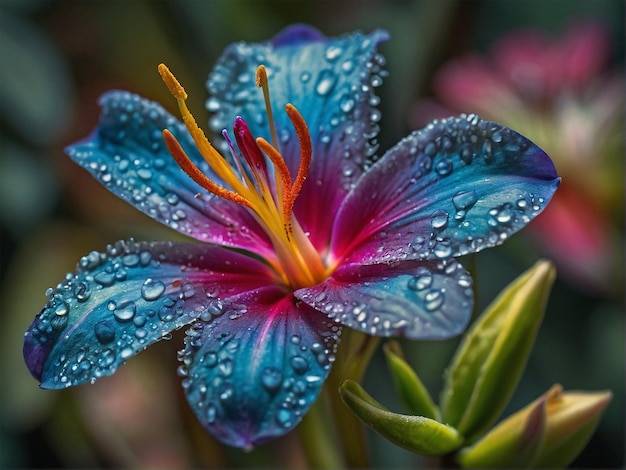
(260, 181)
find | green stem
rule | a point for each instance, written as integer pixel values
(317, 436)
(352, 361)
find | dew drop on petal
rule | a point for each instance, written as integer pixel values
(433, 300)
(439, 219)
(211, 413)
(464, 200)
(325, 82)
(107, 357)
(82, 291)
(104, 331)
(421, 281)
(333, 52)
(271, 378)
(125, 311)
(443, 249)
(152, 289)
(305, 76)
(299, 364)
(444, 167)
(284, 417)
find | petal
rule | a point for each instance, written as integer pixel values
(456, 187)
(120, 301)
(251, 374)
(126, 153)
(425, 300)
(331, 82)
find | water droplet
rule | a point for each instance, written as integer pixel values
(125, 311)
(333, 52)
(487, 149)
(131, 260)
(464, 200)
(347, 66)
(105, 279)
(346, 103)
(213, 104)
(61, 309)
(421, 281)
(152, 289)
(325, 82)
(503, 214)
(126, 353)
(443, 249)
(433, 300)
(211, 413)
(522, 204)
(305, 76)
(271, 378)
(82, 291)
(444, 167)
(104, 331)
(209, 359)
(466, 154)
(188, 290)
(431, 149)
(299, 364)
(226, 391)
(439, 219)
(284, 417)
(107, 357)
(496, 137)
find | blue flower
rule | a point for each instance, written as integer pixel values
(300, 231)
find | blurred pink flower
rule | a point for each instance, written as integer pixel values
(561, 93)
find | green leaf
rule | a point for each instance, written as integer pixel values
(490, 360)
(418, 434)
(411, 389)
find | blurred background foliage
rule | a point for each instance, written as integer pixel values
(58, 56)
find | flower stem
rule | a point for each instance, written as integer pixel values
(318, 437)
(352, 361)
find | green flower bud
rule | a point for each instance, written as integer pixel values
(491, 358)
(409, 386)
(418, 434)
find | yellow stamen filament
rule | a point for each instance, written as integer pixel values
(261, 82)
(212, 156)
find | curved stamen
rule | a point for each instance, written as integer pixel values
(195, 174)
(306, 152)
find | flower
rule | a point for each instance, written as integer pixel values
(280, 263)
(558, 92)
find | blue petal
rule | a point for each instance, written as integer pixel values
(252, 373)
(120, 301)
(331, 82)
(456, 187)
(418, 300)
(126, 153)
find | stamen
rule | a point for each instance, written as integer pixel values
(212, 156)
(261, 82)
(176, 89)
(306, 150)
(285, 175)
(195, 174)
